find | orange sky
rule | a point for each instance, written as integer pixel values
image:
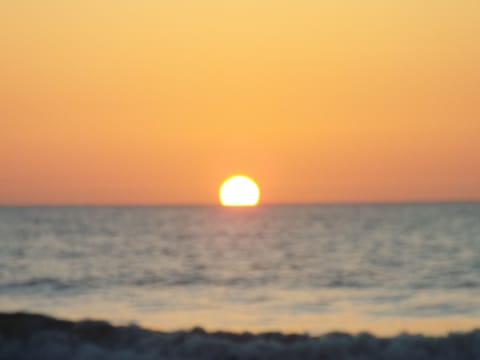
(152, 101)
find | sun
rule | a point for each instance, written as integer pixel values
(239, 190)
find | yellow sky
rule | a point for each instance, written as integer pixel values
(156, 101)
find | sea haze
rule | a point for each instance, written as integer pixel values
(316, 268)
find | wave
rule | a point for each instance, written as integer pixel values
(32, 336)
(44, 282)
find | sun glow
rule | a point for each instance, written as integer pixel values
(239, 190)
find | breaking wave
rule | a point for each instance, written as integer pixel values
(30, 336)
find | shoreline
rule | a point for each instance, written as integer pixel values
(35, 336)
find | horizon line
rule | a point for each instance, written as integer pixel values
(319, 203)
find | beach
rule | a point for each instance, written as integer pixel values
(216, 179)
(28, 336)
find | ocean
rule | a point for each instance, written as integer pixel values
(382, 269)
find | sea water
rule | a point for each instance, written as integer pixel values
(299, 268)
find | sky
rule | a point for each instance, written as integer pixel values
(158, 101)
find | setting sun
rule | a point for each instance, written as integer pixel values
(239, 190)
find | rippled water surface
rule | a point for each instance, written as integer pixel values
(381, 268)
